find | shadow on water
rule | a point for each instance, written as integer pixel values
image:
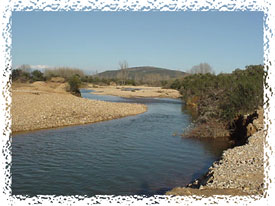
(214, 146)
(190, 111)
(145, 190)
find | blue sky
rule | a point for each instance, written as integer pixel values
(175, 40)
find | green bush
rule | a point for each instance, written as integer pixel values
(74, 84)
(245, 94)
(37, 75)
(16, 73)
(20, 75)
(224, 96)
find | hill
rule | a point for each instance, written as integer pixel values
(144, 74)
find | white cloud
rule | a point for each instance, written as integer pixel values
(40, 66)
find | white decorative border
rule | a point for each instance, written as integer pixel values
(6, 8)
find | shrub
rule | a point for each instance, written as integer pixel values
(74, 84)
(223, 96)
(245, 93)
(37, 75)
(20, 75)
(65, 72)
(16, 73)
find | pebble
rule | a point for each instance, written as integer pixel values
(49, 110)
(241, 167)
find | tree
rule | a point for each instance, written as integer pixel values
(37, 75)
(123, 74)
(64, 72)
(25, 68)
(202, 68)
(74, 83)
(20, 75)
(16, 73)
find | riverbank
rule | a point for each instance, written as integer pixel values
(43, 105)
(240, 171)
(135, 91)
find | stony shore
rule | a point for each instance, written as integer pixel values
(240, 171)
(47, 105)
(41, 105)
(135, 91)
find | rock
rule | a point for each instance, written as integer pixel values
(239, 171)
(241, 167)
(251, 129)
(51, 109)
(257, 124)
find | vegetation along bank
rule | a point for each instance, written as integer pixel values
(227, 105)
(220, 101)
(43, 105)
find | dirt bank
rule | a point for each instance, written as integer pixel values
(44, 105)
(135, 91)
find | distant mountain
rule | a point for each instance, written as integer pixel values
(144, 73)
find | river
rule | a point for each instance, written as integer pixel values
(135, 155)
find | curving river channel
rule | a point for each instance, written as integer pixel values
(136, 155)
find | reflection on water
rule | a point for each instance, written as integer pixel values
(190, 110)
(132, 155)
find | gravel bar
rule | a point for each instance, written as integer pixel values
(41, 110)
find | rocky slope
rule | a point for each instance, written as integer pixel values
(240, 171)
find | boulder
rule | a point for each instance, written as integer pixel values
(259, 122)
(251, 129)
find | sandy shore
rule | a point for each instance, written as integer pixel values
(136, 91)
(240, 171)
(47, 105)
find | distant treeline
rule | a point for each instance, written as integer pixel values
(221, 97)
(72, 76)
(225, 96)
(26, 74)
(106, 81)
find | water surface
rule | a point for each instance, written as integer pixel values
(142, 154)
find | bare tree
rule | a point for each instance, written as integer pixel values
(202, 68)
(65, 72)
(25, 68)
(123, 74)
